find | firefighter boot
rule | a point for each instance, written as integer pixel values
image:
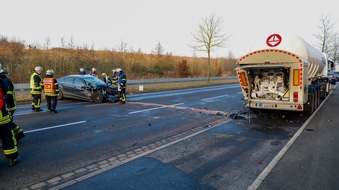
(13, 161)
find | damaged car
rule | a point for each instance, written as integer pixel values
(86, 87)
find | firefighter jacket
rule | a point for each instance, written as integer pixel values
(10, 95)
(94, 73)
(36, 83)
(4, 116)
(122, 80)
(51, 87)
(114, 80)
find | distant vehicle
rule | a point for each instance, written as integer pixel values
(331, 78)
(86, 87)
(283, 72)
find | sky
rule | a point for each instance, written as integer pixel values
(142, 24)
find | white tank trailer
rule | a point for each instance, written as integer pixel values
(283, 72)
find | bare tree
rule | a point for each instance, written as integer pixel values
(122, 47)
(47, 43)
(71, 43)
(209, 36)
(325, 35)
(335, 48)
(158, 50)
(63, 42)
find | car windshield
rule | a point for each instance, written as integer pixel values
(94, 81)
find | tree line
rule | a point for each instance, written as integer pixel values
(20, 61)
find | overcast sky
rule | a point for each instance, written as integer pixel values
(144, 23)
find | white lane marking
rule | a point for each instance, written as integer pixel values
(117, 161)
(25, 113)
(213, 97)
(154, 108)
(257, 182)
(53, 127)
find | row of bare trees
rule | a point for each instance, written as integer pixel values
(20, 61)
(328, 38)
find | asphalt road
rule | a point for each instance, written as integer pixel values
(182, 139)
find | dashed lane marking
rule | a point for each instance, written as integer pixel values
(213, 97)
(53, 127)
(161, 106)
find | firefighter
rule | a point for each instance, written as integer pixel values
(51, 90)
(6, 133)
(106, 79)
(122, 83)
(82, 71)
(114, 78)
(94, 72)
(11, 104)
(36, 88)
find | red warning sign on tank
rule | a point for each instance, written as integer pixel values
(273, 40)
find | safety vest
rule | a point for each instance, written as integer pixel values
(35, 89)
(49, 85)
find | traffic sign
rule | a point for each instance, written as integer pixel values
(273, 40)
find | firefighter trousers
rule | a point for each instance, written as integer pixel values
(36, 101)
(8, 141)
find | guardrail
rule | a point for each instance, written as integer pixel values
(23, 87)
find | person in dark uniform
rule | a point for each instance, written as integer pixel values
(36, 88)
(51, 89)
(82, 71)
(11, 104)
(115, 78)
(7, 137)
(122, 84)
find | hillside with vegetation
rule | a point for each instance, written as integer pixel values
(20, 59)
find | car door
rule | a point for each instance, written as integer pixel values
(66, 86)
(81, 90)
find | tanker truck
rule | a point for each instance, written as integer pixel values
(283, 72)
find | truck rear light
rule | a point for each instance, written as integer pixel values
(295, 96)
(243, 80)
(296, 77)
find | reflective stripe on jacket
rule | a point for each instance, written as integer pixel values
(36, 83)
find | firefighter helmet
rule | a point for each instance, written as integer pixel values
(38, 68)
(49, 72)
(3, 72)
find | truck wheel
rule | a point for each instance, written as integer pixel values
(309, 108)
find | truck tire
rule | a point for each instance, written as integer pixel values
(310, 105)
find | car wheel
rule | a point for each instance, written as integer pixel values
(98, 97)
(60, 95)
